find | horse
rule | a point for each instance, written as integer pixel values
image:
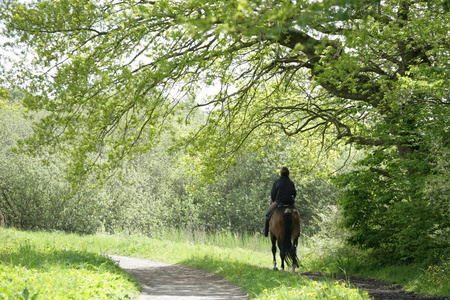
(284, 228)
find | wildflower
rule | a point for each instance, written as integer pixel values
(265, 291)
(324, 288)
(314, 283)
(310, 294)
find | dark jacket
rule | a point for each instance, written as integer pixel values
(283, 191)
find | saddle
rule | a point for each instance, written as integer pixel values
(281, 205)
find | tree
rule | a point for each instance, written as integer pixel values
(34, 195)
(370, 73)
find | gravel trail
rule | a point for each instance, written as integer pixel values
(167, 281)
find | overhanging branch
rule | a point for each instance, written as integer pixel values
(365, 141)
(384, 173)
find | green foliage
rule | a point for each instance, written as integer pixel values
(237, 199)
(108, 77)
(396, 223)
(3, 95)
(398, 202)
(435, 280)
(33, 191)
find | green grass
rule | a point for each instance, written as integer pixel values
(435, 280)
(46, 266)
(34, 264)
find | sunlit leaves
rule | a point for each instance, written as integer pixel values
(109, 76)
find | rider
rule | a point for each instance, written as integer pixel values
(283, 191)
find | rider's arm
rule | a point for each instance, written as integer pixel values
(273, 193)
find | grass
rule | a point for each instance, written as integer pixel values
(331, 256)
(34, 264)
(418, 278)
(46, 266)
(435, 280)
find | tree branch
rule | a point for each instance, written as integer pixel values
(384, 173)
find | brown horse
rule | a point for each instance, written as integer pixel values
(284, 227)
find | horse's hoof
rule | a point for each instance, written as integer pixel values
(275, 269)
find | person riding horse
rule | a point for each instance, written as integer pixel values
(283, 192)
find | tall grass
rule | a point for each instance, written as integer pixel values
(224, 238)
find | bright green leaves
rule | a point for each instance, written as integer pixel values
(97, 68)
(401, 63)
(4, 94)
(387, 201)
(109, 76)
(390, 214)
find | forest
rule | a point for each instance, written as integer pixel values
(133, 116)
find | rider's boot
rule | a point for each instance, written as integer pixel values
(266, 225)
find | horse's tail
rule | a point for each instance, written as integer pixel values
(288, 251)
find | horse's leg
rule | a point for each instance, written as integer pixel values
(296, 235)
(294, 249)
(274, 250)
(282, 254)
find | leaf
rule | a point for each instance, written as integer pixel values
(25, 293)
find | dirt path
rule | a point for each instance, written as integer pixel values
(166, 281)
(379, 290)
